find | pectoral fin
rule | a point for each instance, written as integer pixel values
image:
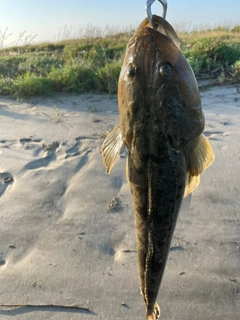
(192, 183)
(199, 156)
(111, 148)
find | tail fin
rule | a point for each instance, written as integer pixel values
(155, 315)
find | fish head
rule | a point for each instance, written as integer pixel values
(157, 88)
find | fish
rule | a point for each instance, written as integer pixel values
(161, 125)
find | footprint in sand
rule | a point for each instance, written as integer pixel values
(43, 162)
(2, 262)
(32, 144)
(214, 135)
(27, 140)
(73, 151)
(5, 179)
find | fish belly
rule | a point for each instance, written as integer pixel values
(157, 189)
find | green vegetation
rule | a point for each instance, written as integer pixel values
(211, 50)
(94, 64)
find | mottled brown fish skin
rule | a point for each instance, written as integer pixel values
(159, 115)
(171, 101)
(156, 204)
(161, 123)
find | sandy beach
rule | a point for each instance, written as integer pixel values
(67, 233)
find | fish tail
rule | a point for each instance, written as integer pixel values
(155, 314)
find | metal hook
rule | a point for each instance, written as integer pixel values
(149, 12)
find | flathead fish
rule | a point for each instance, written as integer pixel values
(161, 124)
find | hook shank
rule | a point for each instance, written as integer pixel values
(149, 12)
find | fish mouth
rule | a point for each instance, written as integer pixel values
(160, 25)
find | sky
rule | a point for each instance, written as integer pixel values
(50, 20)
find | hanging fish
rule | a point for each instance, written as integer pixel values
(161, 124)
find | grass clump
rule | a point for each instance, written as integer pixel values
(206, 54)
(25, 86)
(72, 67)
(236, 68)
(94, 63)
(212, 52)
(108, 76)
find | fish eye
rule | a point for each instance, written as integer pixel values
(166, 69)
(131, 71)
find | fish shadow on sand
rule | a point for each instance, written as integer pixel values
(28, 309)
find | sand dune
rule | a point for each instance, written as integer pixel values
(66, 227)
